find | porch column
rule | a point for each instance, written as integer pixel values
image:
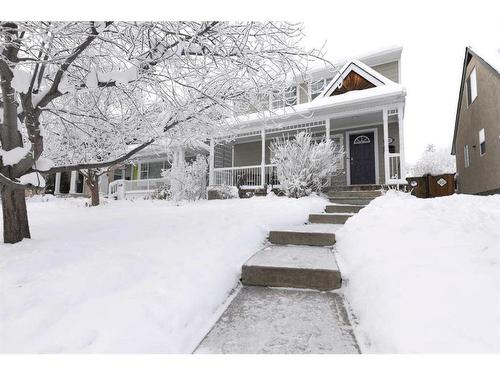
(72, 183)
(57, 185)
(402, 165)
(211, 163)
(327, 129)
(263, 157)
(386, 144)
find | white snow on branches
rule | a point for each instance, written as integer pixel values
(43, 164)
(304, 166)
(15, 155)
(435, 162)
(21, 80)
(187, 181)
(33, 178)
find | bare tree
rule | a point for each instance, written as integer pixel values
(188, 76)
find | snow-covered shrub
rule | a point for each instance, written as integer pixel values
(223, 191)
(185, 181)
(435, 162)
(304, 166)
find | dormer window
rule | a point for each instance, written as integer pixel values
(471, 84)
(317, 87)
(284, 99)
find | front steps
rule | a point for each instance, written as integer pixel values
(346, 208)
(329, 218)
(293, 267)
(301, 237)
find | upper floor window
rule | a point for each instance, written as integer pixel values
(317, 87)
(466, 156)
(482, 142)
(471, 84)
(286, 98)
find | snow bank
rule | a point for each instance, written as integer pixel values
(142, 277)
(423, 274)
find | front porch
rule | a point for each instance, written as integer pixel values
(372, 140)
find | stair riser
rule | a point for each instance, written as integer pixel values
(356, 194)
(359, 202)
(325, 219)
(301, 238)
(342, 209)
(291, 278)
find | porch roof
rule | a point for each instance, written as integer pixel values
(361, 100)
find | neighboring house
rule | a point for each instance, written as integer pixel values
(140, 176)
(358, 103)
(476, 141)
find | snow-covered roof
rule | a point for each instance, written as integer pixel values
(385, 89)
(373, 58)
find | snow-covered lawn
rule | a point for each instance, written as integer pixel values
(424, 274)
(144, 277)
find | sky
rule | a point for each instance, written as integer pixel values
(433, 40)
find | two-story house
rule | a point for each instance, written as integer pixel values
(359, 103)
(476, 140)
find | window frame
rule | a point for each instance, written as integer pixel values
(471, 87)
(482, 142)
(466, 156)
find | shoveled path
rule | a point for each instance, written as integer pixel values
(287, 321)
(268, 315)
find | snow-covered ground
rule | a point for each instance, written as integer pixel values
(143, 276)
(424, 274)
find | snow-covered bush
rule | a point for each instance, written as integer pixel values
(223, 191)
(304, 166)
(186, 181)
(435, 162)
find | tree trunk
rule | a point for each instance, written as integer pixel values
(15, 216)
(92, 181)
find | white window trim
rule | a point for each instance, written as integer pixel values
(472, 82)
(482, 136)
(466, 156)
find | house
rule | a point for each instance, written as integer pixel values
(358, 103)
(137, 178)
(476, 140)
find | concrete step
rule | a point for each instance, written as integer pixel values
(356, 194)
(310, 234)
(293, 267)
(329, 218)
(352, 201)
(346, 208)
(355, 188)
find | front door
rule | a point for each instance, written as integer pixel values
(362, 158)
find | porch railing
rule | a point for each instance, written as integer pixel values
(248, 176)
(395, 167)
(120, 188)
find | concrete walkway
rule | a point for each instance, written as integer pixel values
(287, 321)
(266, 319)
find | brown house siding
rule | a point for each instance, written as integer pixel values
(483, 174)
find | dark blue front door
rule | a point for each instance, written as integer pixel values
(362, 158)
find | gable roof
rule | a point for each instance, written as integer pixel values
(358, 67)
(493, 64)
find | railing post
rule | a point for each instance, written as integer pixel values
(402, 166)
(211, 163)
(386, 144)
(263, 157)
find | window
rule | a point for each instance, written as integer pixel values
(284, 99)
(471, 84)
(482, 143)
(317, 87)
(466, 156)
(152, 169)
